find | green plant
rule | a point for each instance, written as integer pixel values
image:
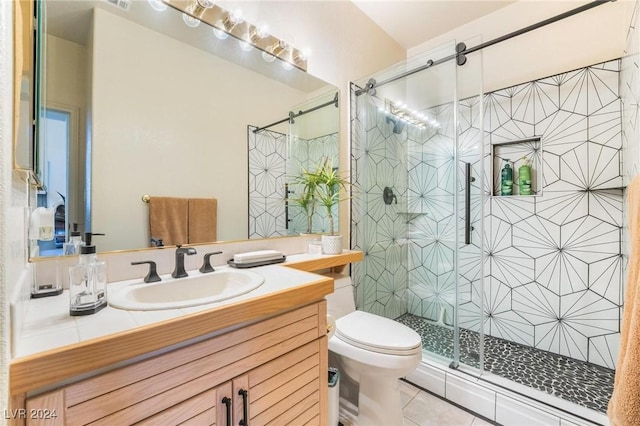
(329, 184)
(307, 182)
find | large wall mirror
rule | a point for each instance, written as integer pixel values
(135, 102)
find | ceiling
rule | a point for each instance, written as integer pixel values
(413, 22)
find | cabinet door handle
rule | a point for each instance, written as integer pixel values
(245, 407)
(227, 401)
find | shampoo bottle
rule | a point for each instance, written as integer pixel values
(506, 186)
(72, 246)
(87, 282)
(524, 177)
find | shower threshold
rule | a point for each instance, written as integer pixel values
(579, 382)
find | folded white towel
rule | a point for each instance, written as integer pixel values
(257, 256)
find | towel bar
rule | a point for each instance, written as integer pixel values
(146, 198)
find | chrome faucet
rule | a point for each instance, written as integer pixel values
(179, 271)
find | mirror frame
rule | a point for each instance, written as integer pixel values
(24, 86)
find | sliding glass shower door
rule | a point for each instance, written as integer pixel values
(416, 209)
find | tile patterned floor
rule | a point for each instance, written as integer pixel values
(588, 385)
(421, 408)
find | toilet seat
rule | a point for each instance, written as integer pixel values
(377, 334)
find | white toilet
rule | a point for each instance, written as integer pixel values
(374, 352)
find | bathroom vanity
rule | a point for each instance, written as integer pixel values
(261, 359)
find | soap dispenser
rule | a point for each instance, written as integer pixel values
(506, 184)
(72, 246)
(87, 281)
(524, 177)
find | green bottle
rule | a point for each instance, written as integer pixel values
(506, 187)
(524, 177)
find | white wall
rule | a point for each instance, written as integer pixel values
(6, 107)
(13, 200)
(588, 38)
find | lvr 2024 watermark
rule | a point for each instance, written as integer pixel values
(34, 413)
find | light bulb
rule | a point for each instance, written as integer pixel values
(305, 53)
(261, 31)
(234, 18)
(158, 5)
(190, 20)
(207, 4)
(287, 66)
(268, 57)
(220, 34)
(245, 46)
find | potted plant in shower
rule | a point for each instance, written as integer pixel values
(329, 185)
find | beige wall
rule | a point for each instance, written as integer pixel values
(66, 89)
(590, 37)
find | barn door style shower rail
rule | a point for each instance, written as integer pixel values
(462, 50)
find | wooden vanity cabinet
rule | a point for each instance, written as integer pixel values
(280, 362)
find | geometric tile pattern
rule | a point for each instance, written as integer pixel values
(273, 160)
(630, 96)
(267, 178)
(553, 263)
(379, 159)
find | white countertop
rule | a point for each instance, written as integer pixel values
(48, 324)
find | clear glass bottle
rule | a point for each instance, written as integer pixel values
(87, 282)
(72, 247)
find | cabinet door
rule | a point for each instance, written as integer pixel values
(291, 388)
(202, 409)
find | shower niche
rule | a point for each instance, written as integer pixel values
(516, 153)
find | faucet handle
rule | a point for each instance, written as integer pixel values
(152, 276)
(206, 264)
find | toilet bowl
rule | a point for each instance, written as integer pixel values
(374, 352)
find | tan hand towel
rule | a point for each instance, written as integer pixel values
(624, 406)
(168, 219)
(203, 220)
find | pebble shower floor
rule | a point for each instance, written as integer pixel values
(585, 384)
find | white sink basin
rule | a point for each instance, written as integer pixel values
(196, 289)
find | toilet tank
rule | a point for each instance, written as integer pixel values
(342, 300)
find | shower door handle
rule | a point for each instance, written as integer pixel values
(467, 204)
(286, 206)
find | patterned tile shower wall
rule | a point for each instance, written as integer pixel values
(553, 263)
(630, 95)
(267, 178)
(307, 154)
(270, 168)
(378, 160)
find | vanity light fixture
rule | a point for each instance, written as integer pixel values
(401, 111)
(254, 36)
(195, 10)
(249, 36)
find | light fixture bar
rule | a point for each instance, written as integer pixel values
(216, 17)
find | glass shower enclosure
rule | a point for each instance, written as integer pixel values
(417, 165)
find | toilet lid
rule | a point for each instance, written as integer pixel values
(377, 334)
